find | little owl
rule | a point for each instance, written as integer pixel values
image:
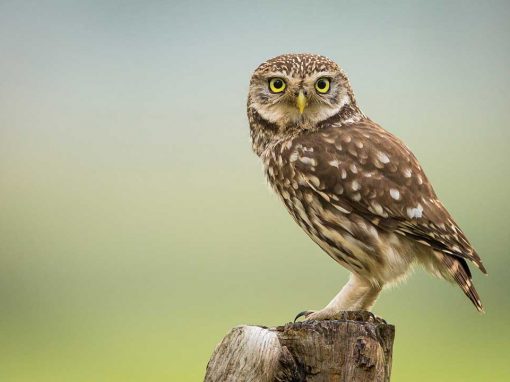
(354, 188)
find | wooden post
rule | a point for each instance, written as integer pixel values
(355, 348)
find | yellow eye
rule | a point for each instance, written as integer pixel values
(277, 85)
(322, 85)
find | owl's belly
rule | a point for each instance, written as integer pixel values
(351, 240)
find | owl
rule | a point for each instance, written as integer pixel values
(353, 187)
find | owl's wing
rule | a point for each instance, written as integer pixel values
(363, 168)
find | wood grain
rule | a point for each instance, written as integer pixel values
(355, 348)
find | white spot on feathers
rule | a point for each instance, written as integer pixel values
(416, 212)
(341, 209)
(314, 180)
(308, 161)
(377, 208)
(395, 194)
(383, 157)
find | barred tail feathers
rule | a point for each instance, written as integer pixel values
(459, 271)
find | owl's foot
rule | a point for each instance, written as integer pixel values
(324, 314)
(304, 314)
(351, 315)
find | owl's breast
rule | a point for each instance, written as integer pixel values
(325, 225)
(346, 236)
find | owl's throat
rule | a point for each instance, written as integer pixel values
(265, 133)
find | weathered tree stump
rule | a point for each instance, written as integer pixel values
(355, 348)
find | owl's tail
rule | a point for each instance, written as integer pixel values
(459, 272)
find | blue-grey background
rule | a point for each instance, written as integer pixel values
(135, 224)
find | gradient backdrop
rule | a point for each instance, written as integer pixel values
(135, 224)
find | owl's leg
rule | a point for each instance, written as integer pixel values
(357, 294)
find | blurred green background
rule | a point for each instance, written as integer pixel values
(135, 224)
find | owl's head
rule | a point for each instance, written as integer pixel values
(298, 91)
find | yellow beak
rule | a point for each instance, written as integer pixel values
(301, 102)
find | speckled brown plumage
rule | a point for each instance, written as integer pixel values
(353, 187)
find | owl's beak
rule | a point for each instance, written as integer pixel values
(301, 101)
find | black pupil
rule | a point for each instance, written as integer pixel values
(321, 84)
(278, 84)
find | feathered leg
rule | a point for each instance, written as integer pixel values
(357, 294)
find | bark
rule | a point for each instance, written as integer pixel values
(355, 348)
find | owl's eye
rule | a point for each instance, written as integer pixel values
(322, 85)
(277, 85)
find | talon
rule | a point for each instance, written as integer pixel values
(303, 313)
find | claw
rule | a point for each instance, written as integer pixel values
(303, 313)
